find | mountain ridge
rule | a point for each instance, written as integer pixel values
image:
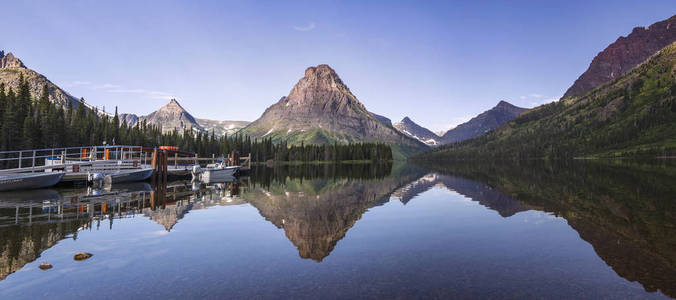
(623, 55)
(483, 123)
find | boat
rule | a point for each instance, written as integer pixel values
(10, 198)
(128, 175)
(215, 173)
(26, 181)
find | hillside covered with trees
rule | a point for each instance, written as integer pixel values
(634, 115)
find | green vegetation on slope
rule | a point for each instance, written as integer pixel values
(635, 115)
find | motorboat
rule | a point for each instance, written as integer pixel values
(128, 175)
(26, 181)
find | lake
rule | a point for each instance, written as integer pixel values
(571, 230)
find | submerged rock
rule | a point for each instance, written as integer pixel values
(45, 266)
(82, 255)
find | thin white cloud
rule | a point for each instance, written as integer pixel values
(118, 89)
(149, 93)
(308, 27)
(77, 83)
(535, 95)
(105, 86)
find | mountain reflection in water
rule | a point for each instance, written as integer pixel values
(625, 211)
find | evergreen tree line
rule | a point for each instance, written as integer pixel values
(27, 123)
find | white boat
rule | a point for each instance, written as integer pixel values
(215, 173)
(128, 175)
(25, 181)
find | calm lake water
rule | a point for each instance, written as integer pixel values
(530, 230)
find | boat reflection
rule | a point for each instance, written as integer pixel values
(33, 221)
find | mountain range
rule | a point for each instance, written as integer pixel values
(170, 116)
(479, 125)
(319, 109)
(634, 115)
(173, 116)
(620, 105)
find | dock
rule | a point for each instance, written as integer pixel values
(77, 163)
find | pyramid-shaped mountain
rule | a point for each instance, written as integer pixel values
(172, 116)
(410, 128)
(321, 109)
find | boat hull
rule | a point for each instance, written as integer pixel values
(219, 175)
(28, 181)
(128, 176)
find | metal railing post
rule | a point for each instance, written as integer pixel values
(20, 153)
(33, 162)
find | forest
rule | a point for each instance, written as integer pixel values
(27, 123)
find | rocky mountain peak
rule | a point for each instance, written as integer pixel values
(508, 107)
(624, 54)
(10, 61)
(321, 85)
(411, 129)
(174, 106)
(504, 103)
(173, 116)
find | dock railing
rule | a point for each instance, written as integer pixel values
(98, 158)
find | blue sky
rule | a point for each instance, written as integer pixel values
(436, 62)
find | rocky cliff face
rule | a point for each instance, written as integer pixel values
(483, 123)
(624, 54)
(11, 70)
(321, 109)
(383, 119)
(410, 128)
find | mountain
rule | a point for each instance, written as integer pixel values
(173, 115)
(222, 127)
(635, 115)
(321, 109)
(130, 119)
(410, 128)
(483, 123)
(624, 54)
(11, 69)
